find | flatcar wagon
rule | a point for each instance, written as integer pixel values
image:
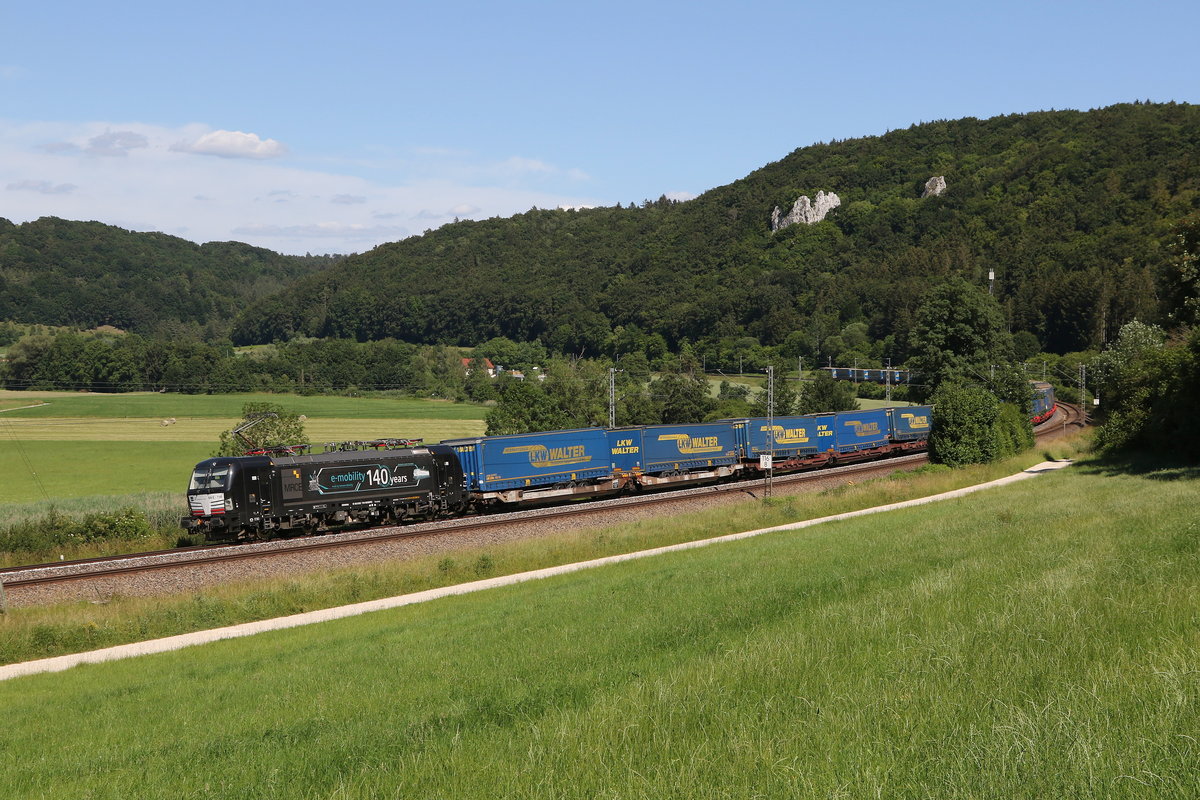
(689, 453)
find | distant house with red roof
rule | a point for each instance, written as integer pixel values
(487, 363)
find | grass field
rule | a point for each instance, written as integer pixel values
(208, 429)
(1034, 641)
(867, 403)
(82, 445)
(47, 471)
(157, 406)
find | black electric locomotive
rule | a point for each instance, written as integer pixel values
(256, 495)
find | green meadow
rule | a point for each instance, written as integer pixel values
(68, 456)
(71, 445)
(33, 470)
(1038, 640)
(155, 405)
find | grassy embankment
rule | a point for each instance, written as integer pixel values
(80, 453)
(1034, 641)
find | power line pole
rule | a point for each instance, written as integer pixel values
(612, 397)
(767, 486)
(1082, 385)
(799, 378)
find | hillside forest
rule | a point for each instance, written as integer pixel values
(1086, 220)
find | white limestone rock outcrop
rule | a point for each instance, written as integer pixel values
(805, 210)
(934, 186)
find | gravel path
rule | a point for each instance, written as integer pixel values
(248, 629)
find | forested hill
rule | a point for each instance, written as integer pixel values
(86, 274)
(1073, 210)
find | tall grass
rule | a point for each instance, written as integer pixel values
(160, 508)
(1035, 641)
(83, 527)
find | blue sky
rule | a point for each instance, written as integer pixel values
(319, 127)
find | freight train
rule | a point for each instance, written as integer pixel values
(289, 491)
(896, 377)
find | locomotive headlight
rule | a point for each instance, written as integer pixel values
(228, 504)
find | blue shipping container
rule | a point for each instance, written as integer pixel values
(794, 436)
(670, 448)
(625, 449)
(860, 430)
(908, 424)
(496, 463)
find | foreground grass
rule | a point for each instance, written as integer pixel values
(1035, 641)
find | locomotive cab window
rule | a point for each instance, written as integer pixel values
(216, 478)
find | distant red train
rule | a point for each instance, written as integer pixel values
(1043, 402)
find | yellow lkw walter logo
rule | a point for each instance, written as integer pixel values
(690, 446)
(787, 435)
(542, 457)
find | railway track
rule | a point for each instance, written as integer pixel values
(182, 569)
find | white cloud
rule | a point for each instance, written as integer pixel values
(44, 187)
(231, 144)
(58, 147)
(53, 169)
(115, 143)
(324, 230)
(470, 168)
(517, 165)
